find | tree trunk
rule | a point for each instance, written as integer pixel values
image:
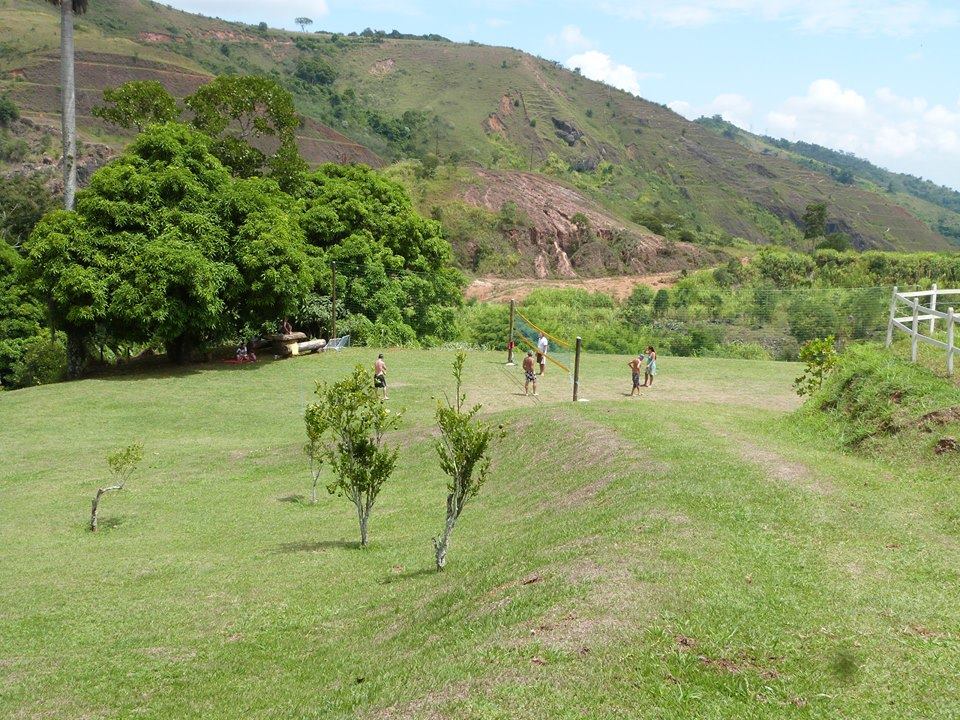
(442, 544)
(179, 350)
(313, 493)
(364, 519)
(68, 91)
(76, 355)
(96, 504)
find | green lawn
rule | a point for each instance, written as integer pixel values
(696, 553)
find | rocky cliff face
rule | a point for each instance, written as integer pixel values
(567, 235)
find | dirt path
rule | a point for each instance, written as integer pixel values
(494, 289)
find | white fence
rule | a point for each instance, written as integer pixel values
(921, 323)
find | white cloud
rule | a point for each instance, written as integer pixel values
(496, 22)
(905, 134)
(866, 17)
(573, 37)
(600, 66)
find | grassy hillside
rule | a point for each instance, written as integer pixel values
(693, 553)
(936, 205)
(507, 111)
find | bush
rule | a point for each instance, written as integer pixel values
(9, 112)
(43, 362)
(13, 149)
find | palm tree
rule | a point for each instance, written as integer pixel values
(68, 91)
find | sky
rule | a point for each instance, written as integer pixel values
(878, 78)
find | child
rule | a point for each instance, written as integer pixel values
(651, 367)
(635, 372)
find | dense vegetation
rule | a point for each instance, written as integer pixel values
(763, 309)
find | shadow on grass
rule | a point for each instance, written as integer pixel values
(409, 575)
(157, 367)
(295, 499)
(316, 546)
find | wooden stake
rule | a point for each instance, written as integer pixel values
(893, 315)
(933, 306)
(951, 346)
(576, 371)
(915, 334)
(333, 299)
(510, 341)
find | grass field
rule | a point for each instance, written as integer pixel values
(696, 553)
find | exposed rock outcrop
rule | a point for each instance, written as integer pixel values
(566, 131)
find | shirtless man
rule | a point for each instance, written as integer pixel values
(542, 346)
(380, 375)
(528, 366)
(635, 367)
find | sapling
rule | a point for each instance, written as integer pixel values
(464, 450)
(345, 430)
(123, 463)
(820, 358)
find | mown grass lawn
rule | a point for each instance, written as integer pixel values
(696, 553)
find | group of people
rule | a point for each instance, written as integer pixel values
(645, 363)
(534, 366)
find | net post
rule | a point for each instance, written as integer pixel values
(893, 315)
(510, 341)
(576, 371)
(333, 301)
(951, 337)
(915, 332)
(933, 307)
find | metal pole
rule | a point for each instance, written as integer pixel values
(893, 315)
(933, 306)
(915, 334)
(510, 341)
(333, 300)
(576, 371)
(951, 348)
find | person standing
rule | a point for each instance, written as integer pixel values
(635, 366)
(380, 375)
(651, 366)
(543, 345)
(528, 373)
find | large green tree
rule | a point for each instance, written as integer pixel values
(136, 104)
(167, 247)
(21, 314)
(393, 265)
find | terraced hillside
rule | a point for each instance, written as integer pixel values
(505, 112)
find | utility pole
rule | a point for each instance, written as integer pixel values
(333, 299)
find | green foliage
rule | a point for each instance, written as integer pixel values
(812, 315)
(814, 220)
(464, 450)
(41, 361)
(872, 393)
(820, 358)
(836, 241)
(661, 302)
(23, 201)
(138, 103)
(166, 247)
(315, 70)
(345, 431)
(12, 149)
(21, 315)
(393, 265)
(235, 109)
(124, 463)
(636, 309)
(9, 112)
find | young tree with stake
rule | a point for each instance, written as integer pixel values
(464, 450)
(345, 430)
(123, 464)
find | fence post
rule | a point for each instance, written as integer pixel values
(933, 306)
(893, 315)
(951, 348)
(510, 341)
(576, 371)
(915, 332)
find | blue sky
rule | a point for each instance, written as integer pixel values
(874, 77)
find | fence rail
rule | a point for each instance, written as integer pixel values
(929, 316)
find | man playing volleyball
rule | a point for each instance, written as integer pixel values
(542, 346)
(380, 375)
(528, 373)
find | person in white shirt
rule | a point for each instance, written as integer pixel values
(542, 346)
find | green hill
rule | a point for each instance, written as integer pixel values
(692, 553)
(507, 112)
(937, 205)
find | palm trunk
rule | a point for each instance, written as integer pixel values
(68, 92)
